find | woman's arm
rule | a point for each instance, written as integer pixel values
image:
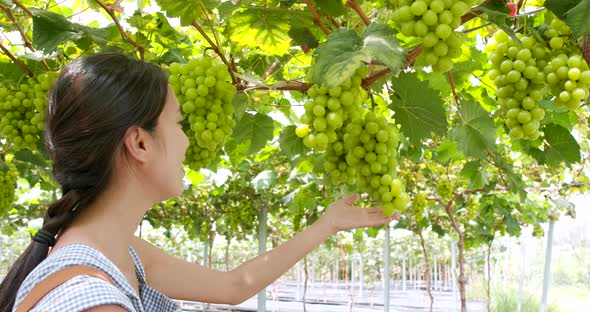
(188, 281)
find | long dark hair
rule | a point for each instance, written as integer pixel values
(94, 101)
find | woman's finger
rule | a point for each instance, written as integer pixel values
(351, 199)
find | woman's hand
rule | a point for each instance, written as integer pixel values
(342, 215)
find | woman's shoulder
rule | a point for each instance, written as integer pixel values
(83, 286)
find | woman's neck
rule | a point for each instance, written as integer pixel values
(109, 223)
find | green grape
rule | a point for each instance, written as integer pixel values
(205, 94)
(444, 189)
(434, 22)
(8, 177)
(358, 146)
(521, 84)
(23, 111)
(567, 73)
(325, 125)
(418, 205)
(375, 155)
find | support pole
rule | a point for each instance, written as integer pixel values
(522, 273)
(262, 229)
(299, 272)
(386, 279)
(404, 273)
(547, 277)
(361, 275)
(435, 286)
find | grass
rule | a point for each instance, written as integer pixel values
(570, 298)
(505, 299)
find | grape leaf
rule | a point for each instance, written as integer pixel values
(261, 28)
(196, 177)
(476, 133)
(379, 40)
(187, 11)
(303, 36)
(474, 172)
(256, 128)
(560, 7)
(560, 146)
(446, 152)
(52, 29)
(10, 71)
(345, 51)
(418, 108)
(264, 180)
(475, 63)
(497, 13)
(290, 143)
(514, 181)
(577, 19)
(334, 8)
(32, 158)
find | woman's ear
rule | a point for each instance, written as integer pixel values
(135, 142)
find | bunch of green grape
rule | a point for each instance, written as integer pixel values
(329, 109)
(516, 72)
(203, 90)
(434, 21)
(8, 177)
(559, 35)
(370, 144)
(444, 189)
(418, 205)
(568, 79)
(567, 73)
(23, 111)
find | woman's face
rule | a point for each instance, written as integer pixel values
(168, 172)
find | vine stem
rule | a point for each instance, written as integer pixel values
(426, 270)
(316, 17)
(409, 61)
(289, 85)
(26, 40)
(374, 13)
(586, 49)
(366, 82)
(353, 4)
(519, 5)
(230, 65)
(24, 8)
(218, 52)
(455, 96)
(17, 62)
(473, 14)
(334, 22)
(20, 30)
(217, 41)
(460, 242)
(124, 35)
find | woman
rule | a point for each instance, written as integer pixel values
(114, 134)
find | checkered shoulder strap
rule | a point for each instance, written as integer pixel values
(54, 280)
